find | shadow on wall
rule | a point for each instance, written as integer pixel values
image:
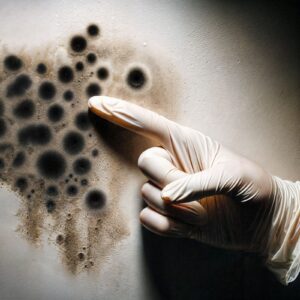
(185, 269)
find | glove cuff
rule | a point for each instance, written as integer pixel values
(283, 247)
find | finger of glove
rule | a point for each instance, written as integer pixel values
(191, 150)
(193, 187)
(192, 213)
(163, 225)
(156, 164)
(133, 117)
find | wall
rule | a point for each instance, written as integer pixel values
(227, 68)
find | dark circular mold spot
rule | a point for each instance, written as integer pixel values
(51, 164)
(19, 86)
(59, 239)
(79, 66)
(91, 58)
(24, 109)
(82, 121)
(19, 159)
(21, 183)
(136, 78)
(78, 43)
(65, 74)
(82, 166)
(81, 256)
(84, 182)
(34, 134)
(73, 142)
(52, 191)
(72, 190)
(95, 199)
(68, 95)
(41, 68)
(2, 164)
(2, 108)
(93, 89)
(47, 90)
(13, 63)
(55, 113)
(95, 152)
(102, 73)
(2, 127)
(93, 30)
(50, 205)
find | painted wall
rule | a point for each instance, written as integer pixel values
(227, 68)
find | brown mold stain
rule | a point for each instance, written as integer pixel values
(84, 238)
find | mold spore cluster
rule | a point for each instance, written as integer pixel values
(49, 148)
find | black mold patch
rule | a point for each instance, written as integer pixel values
(68, 95)
(79, 66)
(91, 58)
(73, 142)
(51, 164)
(2, 164)
(41, 68)
(21, 184)
(50, 205)
(82, 166)
(82, 121)
(72, 190)
(19, 159)
(13, 63)
(81, 256)
(78, 43)
(93, 30)
(3, 127)
(84, 182)
(2, 108)
(95, 199)
(24, 109)
(136, 78)
(47, 90)
(65, 74)
(102, 73)
(52, 191)
(19, 86)
(95, 152)
(93, 89)
(60, 239)
(55, 113)
(34, 134)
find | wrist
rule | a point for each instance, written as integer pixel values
(283, 246)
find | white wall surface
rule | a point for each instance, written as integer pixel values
(238, 81)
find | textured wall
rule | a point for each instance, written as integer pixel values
(227, 68)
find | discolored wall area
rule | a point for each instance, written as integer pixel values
(227, 68)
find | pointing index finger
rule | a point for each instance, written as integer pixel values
(133, 117)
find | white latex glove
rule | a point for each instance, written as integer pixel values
(199, 189)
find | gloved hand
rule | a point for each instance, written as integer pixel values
(201, 190)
